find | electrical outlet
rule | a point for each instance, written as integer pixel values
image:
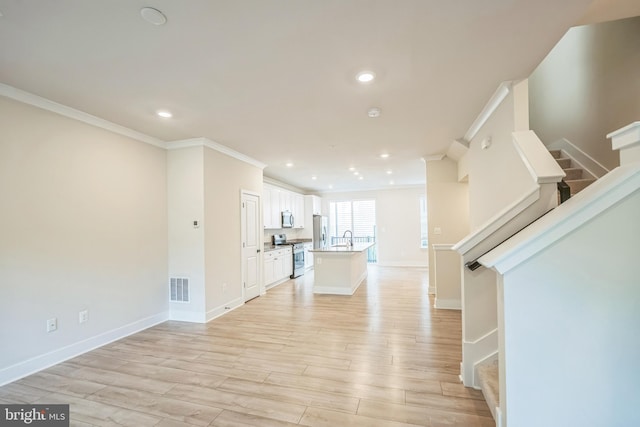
(83, 316)
(52, 324)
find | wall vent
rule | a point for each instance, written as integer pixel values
(179, 289)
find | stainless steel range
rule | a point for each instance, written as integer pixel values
(297, 248)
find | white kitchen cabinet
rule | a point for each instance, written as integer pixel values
(285, 200)
(288, 264)
(298, 210)
(276, 212)
(271, 207)
(278, 268)
(266, 207)
(316, 205)
(308, 256)
(278, 265)
(269, 276)
(276, 200)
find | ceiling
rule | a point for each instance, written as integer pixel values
(275, 79)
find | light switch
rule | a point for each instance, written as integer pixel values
(437, 230)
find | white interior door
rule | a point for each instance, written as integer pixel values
(251, 245)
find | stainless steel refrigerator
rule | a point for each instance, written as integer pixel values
(320, 232)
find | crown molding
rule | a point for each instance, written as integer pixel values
(48, 105)
(205, 142)
(433, 157)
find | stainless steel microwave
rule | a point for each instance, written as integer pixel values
(287, 219)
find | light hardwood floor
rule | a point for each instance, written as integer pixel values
(382, 357)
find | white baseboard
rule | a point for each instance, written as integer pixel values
(499, 422)
(200, 317)
(274, 284)
(340, 290)
(447, 304)
(224, 309)
(43, 361)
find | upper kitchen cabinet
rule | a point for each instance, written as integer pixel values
(266, 207)
(276, 200)
(285, 201)
(315, 204)
(271, 207)
(298, 210)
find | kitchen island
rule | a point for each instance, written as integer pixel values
(339, 270)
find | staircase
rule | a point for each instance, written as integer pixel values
(577, 178)
(487, 372)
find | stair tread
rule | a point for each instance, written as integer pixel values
(488, 381)
(568, 181)
(555, 153)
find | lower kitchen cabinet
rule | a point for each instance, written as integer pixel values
(278, 266)
(308, 256)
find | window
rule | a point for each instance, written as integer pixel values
(424, 228)
(359, 216)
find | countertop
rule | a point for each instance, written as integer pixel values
(357, 247)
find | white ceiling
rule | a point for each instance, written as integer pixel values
(274, 79)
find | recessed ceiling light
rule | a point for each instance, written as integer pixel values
(365, 76)
(164, 114)
(289, 165)
(391, 182)
(352, 169)
(314, 177)
(356, 173)
(389, 172)
(361, 178)
(374, 112)
(384, 155)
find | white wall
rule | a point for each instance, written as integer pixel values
(224, 178)
(83, 227)
(572, 344)
(398, 223)
(205, 186)
(447, 208)
(588, 86)
(185, 189)
(497, 176)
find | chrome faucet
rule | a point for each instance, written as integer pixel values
(350, 241)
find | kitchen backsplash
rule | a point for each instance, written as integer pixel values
(303, 233)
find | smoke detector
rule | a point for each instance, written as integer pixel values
(153, 16)
(373, 112)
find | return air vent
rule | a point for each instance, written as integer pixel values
(179, 289)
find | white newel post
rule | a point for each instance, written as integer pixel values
(627, 141)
